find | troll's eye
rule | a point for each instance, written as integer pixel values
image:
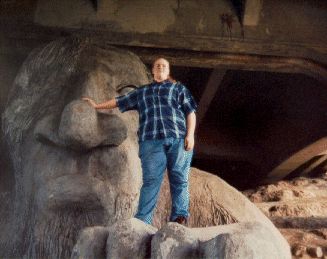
(126, 89)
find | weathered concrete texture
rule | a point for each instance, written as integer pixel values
(130, 238)
(242, 240)
(246, 241)
(84, 130)
(128, 16)
(9, 66)
(283, 21)
(91, 243)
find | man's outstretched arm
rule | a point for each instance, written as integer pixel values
(111, 104)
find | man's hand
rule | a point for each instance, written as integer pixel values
(90, 101)
(189, 143)
(108, 105)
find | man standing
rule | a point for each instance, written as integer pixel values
(166, 139)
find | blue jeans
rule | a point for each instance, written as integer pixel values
(157, 155)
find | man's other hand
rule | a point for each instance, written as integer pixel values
(189, 143)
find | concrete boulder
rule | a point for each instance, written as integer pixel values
(240, 240)
(91, 243)
(247, 241)
(130, 239)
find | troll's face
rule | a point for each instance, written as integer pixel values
(75, 166)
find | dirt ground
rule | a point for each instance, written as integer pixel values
(298, 208)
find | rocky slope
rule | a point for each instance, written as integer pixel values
(298, 208)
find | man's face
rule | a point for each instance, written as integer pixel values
(161, 70)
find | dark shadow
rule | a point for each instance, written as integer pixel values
(238, 6)
(240, 174)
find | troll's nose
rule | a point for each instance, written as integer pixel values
(82, 127)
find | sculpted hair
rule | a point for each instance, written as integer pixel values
(39, 85)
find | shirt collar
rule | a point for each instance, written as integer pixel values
(161, 83)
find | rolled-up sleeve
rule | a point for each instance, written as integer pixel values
(127, 102)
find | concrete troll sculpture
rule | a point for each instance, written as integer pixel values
(78, 174)
(74, 167)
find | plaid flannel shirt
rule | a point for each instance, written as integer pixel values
(163, 108)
